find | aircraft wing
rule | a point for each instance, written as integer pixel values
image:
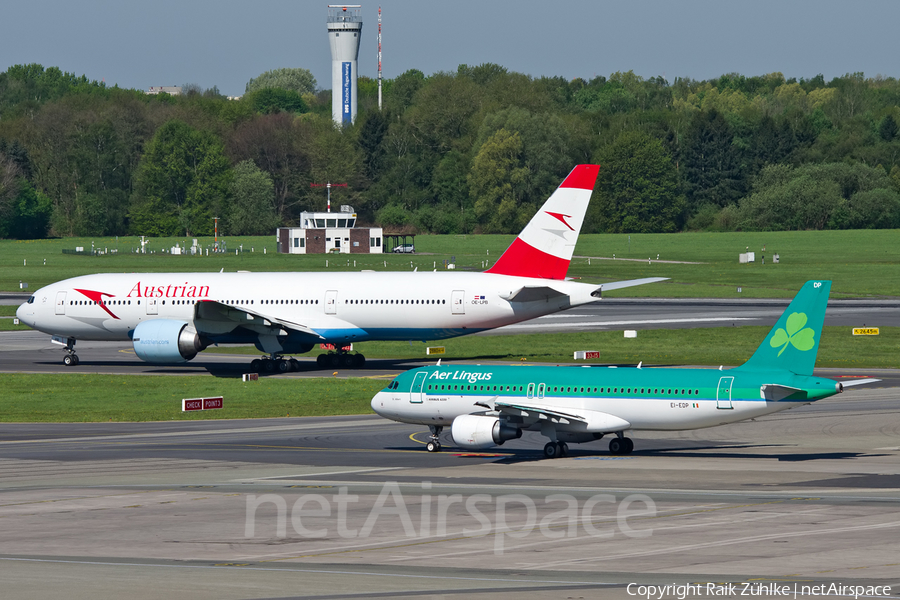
(586, 420)
(615, 285)
(216, 318)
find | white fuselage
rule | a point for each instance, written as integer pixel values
(339, 307)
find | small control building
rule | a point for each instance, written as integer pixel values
(330, 232)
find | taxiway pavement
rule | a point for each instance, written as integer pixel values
(353, 507)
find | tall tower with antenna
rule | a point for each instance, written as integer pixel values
(379, 58)
(344, 31)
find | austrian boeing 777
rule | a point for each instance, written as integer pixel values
(486, 406)
(170, 317)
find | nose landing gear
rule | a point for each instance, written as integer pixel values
(70, 359)
(434, 442)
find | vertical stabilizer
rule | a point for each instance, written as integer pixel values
(794, 340)
(544, 248)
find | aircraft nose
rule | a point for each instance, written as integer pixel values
(378, 403)
(25, 314)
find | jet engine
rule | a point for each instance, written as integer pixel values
(165, 341)
(477, 432)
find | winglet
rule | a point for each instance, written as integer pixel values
(544, 248)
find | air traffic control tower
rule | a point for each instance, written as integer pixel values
(344, 31)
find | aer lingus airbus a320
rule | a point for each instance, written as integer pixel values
(486, 406)
(170, 317)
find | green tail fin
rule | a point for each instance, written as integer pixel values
(794, 341)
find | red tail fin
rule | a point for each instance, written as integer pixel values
(544, 248)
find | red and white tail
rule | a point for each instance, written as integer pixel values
(544, 248)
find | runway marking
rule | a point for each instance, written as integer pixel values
(263, 429)
(728, 542)
(73, 498)
(412, 436)
(434, 539)
(238, 566)
(287, 478)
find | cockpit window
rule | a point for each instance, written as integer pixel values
(31, 300)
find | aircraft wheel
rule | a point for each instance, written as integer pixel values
(332, 360)
(295, 364)
(433, 446)
(563, 449)
(282, 366)
(629, 445)
(68, 360)
(321, 360)
(255, 365)
(617, 446)
(347, 361)
(268, 365)
(359, 361)
(551, 450)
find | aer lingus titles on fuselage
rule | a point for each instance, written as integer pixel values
(486, 406)
(170, 317)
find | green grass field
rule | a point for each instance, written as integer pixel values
(82, 398)
(729, 346)
(93, 398)
(861, 263)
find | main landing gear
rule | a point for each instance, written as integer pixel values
(274, 364)
(333, 360)
(621, 445)
(556, 449)
(434, 443)
(70, 359)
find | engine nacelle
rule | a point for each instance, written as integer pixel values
(477, 432)
(165, 341)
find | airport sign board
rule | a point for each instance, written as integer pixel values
(188, 404)
(865, 331)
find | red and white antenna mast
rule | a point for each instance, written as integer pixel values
(329, 186)
(379, 58)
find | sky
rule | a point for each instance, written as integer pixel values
(227, 42)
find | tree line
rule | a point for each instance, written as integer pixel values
(475, 150)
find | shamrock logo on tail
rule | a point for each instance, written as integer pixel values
(802, 339)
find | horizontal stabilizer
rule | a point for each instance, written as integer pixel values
(853, 382)
(615, 285)
(535, 293)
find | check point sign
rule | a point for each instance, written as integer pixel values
(202, 403)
